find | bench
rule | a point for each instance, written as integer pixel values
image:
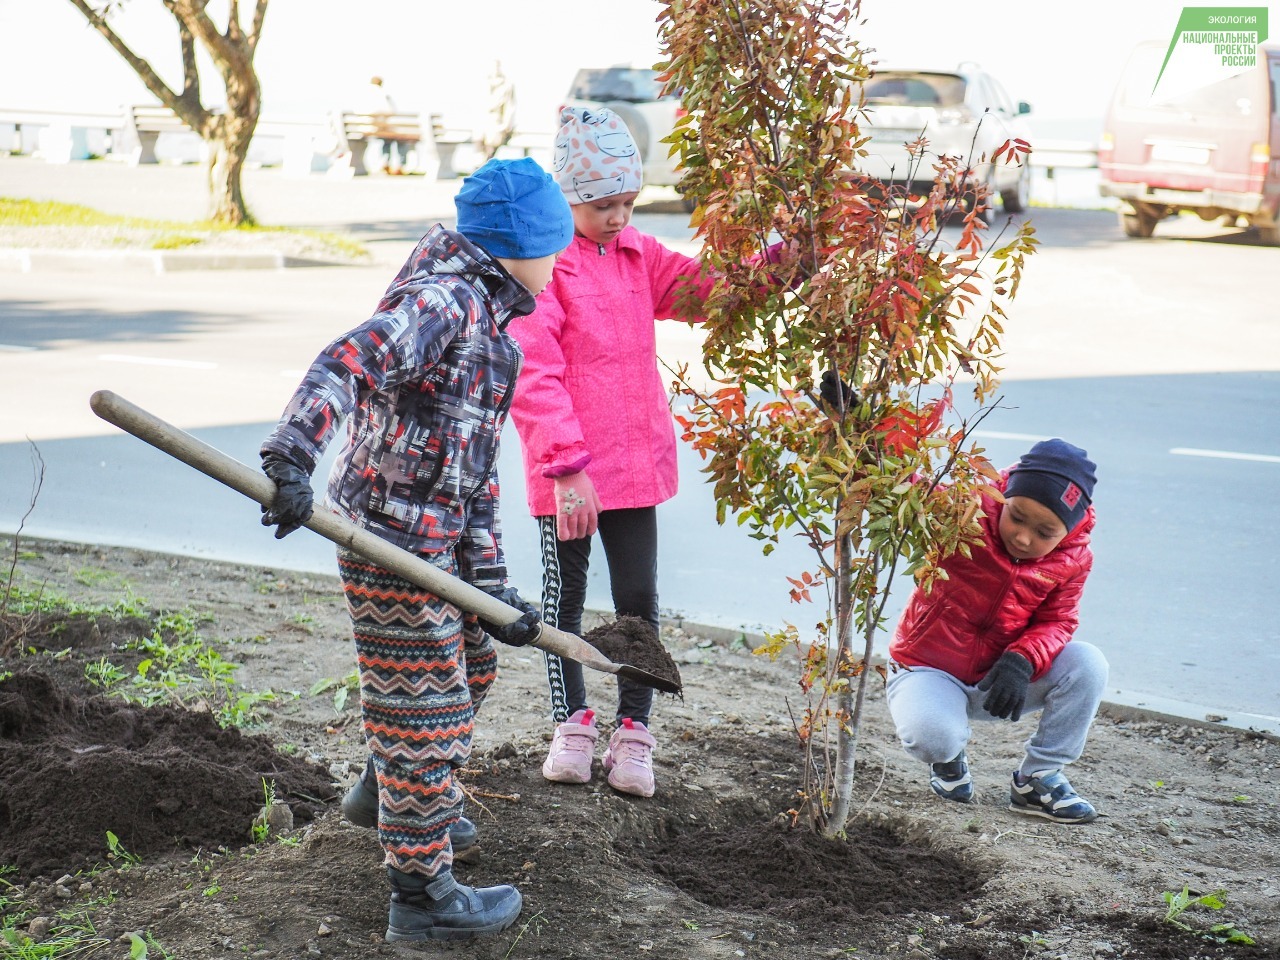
(359, 130)
(58, 136)
(142, 127)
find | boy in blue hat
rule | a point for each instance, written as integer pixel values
(993, 639)
(424, 386)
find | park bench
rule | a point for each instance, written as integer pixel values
(405, 129)
(142, 127)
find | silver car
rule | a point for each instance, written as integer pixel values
(636, 95)
(962, 113)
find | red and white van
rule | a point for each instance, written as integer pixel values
(1214, 151)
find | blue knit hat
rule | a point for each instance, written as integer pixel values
(1057, 474)
(514, 209)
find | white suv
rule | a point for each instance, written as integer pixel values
(635, 94)
(962, 113)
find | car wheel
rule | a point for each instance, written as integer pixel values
(1018, 197)
(1139, 221)
(636, 124)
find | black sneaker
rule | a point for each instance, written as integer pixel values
(951, 780)
(1049, 795)
(360, 807)
(440, 908)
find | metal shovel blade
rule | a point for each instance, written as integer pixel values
(258, 487)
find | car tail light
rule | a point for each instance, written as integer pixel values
(1106, 146)
(955, 115)
(1259, 161)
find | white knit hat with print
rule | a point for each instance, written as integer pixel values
(595, 155)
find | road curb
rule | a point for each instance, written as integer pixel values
(35, 260)
(1118, 704)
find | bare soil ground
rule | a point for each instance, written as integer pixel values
(707, 868)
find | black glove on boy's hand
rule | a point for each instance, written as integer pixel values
(521, 632)
(1006, 683)
(832, 390)
(293, 502)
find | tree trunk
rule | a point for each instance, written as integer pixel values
(226, 164)
(846, 732)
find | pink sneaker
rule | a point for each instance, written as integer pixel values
(629, 759)
(569, 759)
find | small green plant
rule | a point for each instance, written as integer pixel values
(141, 947)
(261, 828)
(690, 925)
(1242, 798)
(103, 673)
(289, 841)
(212, 890)
(537, 921)
(342, 689)
(1156, 785)
(97, 577)
(1179, 903)
(117, 852)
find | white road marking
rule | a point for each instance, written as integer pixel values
(158, 362)
(1224, 455)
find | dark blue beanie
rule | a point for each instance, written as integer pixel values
(1057, 474)
(514, 209)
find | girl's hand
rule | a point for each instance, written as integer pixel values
(577, 506)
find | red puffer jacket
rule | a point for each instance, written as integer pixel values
(993, 603)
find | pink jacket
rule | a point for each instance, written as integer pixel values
(590, 394)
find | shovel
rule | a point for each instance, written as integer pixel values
(257, 486)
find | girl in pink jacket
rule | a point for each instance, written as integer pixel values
(599, 445)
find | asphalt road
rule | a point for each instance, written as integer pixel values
(1162, 358)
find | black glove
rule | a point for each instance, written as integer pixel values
(293, 502)
(833, 390)
(521, 632)
(1007, 683)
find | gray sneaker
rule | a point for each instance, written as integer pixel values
(1050, 795)
(360, 807)
(951, 780)
(440, 908)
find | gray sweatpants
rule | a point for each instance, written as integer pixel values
(932, 709)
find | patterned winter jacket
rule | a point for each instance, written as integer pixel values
(424, 386)
(992, 603)
(590, 391)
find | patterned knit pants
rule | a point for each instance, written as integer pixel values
(424, 672)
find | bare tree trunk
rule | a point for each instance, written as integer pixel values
(846, 732)
(228, 134)
(226, 164)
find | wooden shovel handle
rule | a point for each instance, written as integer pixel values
(258, 487)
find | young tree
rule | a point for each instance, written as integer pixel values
(231, 48)
(883, 479)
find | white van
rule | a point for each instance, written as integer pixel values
(1214, 151)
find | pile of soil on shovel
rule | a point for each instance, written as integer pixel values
(632, 641)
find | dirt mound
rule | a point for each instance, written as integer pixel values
(160, 778)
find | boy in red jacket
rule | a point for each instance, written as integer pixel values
(994, 639)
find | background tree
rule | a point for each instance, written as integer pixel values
(231, 48)
(884, 480)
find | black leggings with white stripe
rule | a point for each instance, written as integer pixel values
(630, 539)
